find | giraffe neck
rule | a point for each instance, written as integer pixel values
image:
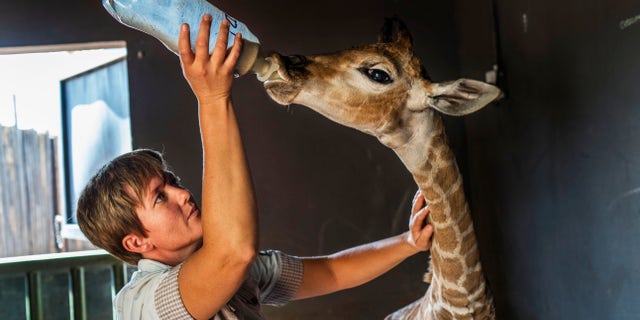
(458, 287)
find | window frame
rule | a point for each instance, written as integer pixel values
(64, 228)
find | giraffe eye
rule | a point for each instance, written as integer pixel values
(377, 75)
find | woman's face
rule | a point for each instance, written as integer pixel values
(171, 218)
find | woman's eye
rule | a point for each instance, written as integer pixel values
(378, 75)
(161, 197)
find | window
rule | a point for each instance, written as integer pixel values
(64, 111)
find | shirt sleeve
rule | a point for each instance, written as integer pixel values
(167, 297)
(280, 276)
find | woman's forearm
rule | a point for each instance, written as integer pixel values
(227, 190)
(353, 267)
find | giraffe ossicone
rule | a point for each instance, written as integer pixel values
(382, 89)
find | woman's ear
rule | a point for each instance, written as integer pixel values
(136, 243)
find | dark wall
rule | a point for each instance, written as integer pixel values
(554, 168)
(320, 187)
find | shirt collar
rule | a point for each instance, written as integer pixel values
(148, 265)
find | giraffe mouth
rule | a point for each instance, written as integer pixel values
(290, 68)
(292, 74)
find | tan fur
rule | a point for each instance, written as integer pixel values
(400, 113)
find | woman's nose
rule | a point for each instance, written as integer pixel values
(182, 195)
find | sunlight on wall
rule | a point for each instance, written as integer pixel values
(30, 84)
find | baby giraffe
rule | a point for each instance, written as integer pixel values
(382, 89)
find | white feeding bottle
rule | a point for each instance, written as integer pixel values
(162, 19)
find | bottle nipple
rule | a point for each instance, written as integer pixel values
(265, 69)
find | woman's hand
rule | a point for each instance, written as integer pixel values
(420, 231)
(209, 75)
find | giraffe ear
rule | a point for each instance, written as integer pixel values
(394, 30)
(461, 97)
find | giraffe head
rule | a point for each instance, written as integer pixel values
(380, 89)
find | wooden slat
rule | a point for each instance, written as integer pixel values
(27, 188)
(4, 195)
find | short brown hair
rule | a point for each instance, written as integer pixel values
(106, 207)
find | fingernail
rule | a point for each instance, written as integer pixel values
(207, 17)
(184, 27)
